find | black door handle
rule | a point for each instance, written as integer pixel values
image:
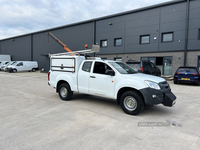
(92, 77)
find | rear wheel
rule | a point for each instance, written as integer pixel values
(197, 83)
(131, 102)
(175, 82)
(65, 92)
(33, 70)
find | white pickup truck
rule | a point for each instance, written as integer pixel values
(110, 79)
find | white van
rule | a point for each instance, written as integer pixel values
(9, 65)
(24, 66)
(3, 66)
(3, 63)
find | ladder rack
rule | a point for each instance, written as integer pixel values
(95, 48)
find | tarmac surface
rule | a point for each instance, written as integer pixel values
(32, 117)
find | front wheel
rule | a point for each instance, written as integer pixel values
(65, 92)
(131, 102)
(14, 70)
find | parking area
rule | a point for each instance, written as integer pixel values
(33, 117)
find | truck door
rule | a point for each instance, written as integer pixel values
(83, 77)
(99, 83)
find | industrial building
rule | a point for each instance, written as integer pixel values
(167, 34)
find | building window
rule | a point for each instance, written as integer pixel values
(144, 39)
(118, 42)
(167, 37)
(104, 43)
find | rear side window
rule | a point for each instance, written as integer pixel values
(87, 66)
(193, 70)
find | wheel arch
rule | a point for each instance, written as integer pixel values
(14, 69)
(61, 82)
(124, 89)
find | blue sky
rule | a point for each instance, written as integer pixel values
(18, 17)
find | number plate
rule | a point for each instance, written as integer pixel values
(185, 78)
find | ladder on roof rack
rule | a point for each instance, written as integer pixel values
(95, 48)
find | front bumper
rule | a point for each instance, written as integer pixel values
(9, 69)
(153, 97)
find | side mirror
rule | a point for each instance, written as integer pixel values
(110, 72)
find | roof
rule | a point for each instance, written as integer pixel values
(187, 67)
(104, 17)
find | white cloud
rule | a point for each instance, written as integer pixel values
(19, 17)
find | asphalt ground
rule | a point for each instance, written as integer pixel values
(32, 117)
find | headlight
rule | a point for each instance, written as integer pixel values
(153, 85)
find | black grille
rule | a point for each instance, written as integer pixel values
(164, 85)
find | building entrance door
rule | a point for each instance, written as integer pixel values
(167, 65)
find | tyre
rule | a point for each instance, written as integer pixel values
(33, 70)
(14, 70)
(175, 82)
(131, 102)
(65, 92)
(197, 83)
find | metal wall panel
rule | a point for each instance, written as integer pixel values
(194, 26)
(142, 23)
(110, 29)
(151, 22)
(74, 37)
(19, 48)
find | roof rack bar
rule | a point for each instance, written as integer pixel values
(95, 48)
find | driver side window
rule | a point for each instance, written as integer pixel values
(101, 68)
(20, 64)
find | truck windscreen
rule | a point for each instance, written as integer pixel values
(123, 68)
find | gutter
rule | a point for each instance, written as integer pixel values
(186, 31)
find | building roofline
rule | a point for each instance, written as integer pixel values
(101, 18)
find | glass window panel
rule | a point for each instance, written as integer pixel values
(144, 39)
(104, 43)
(168, 65)
(118, 42)
(87, 66)
(167, 37)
